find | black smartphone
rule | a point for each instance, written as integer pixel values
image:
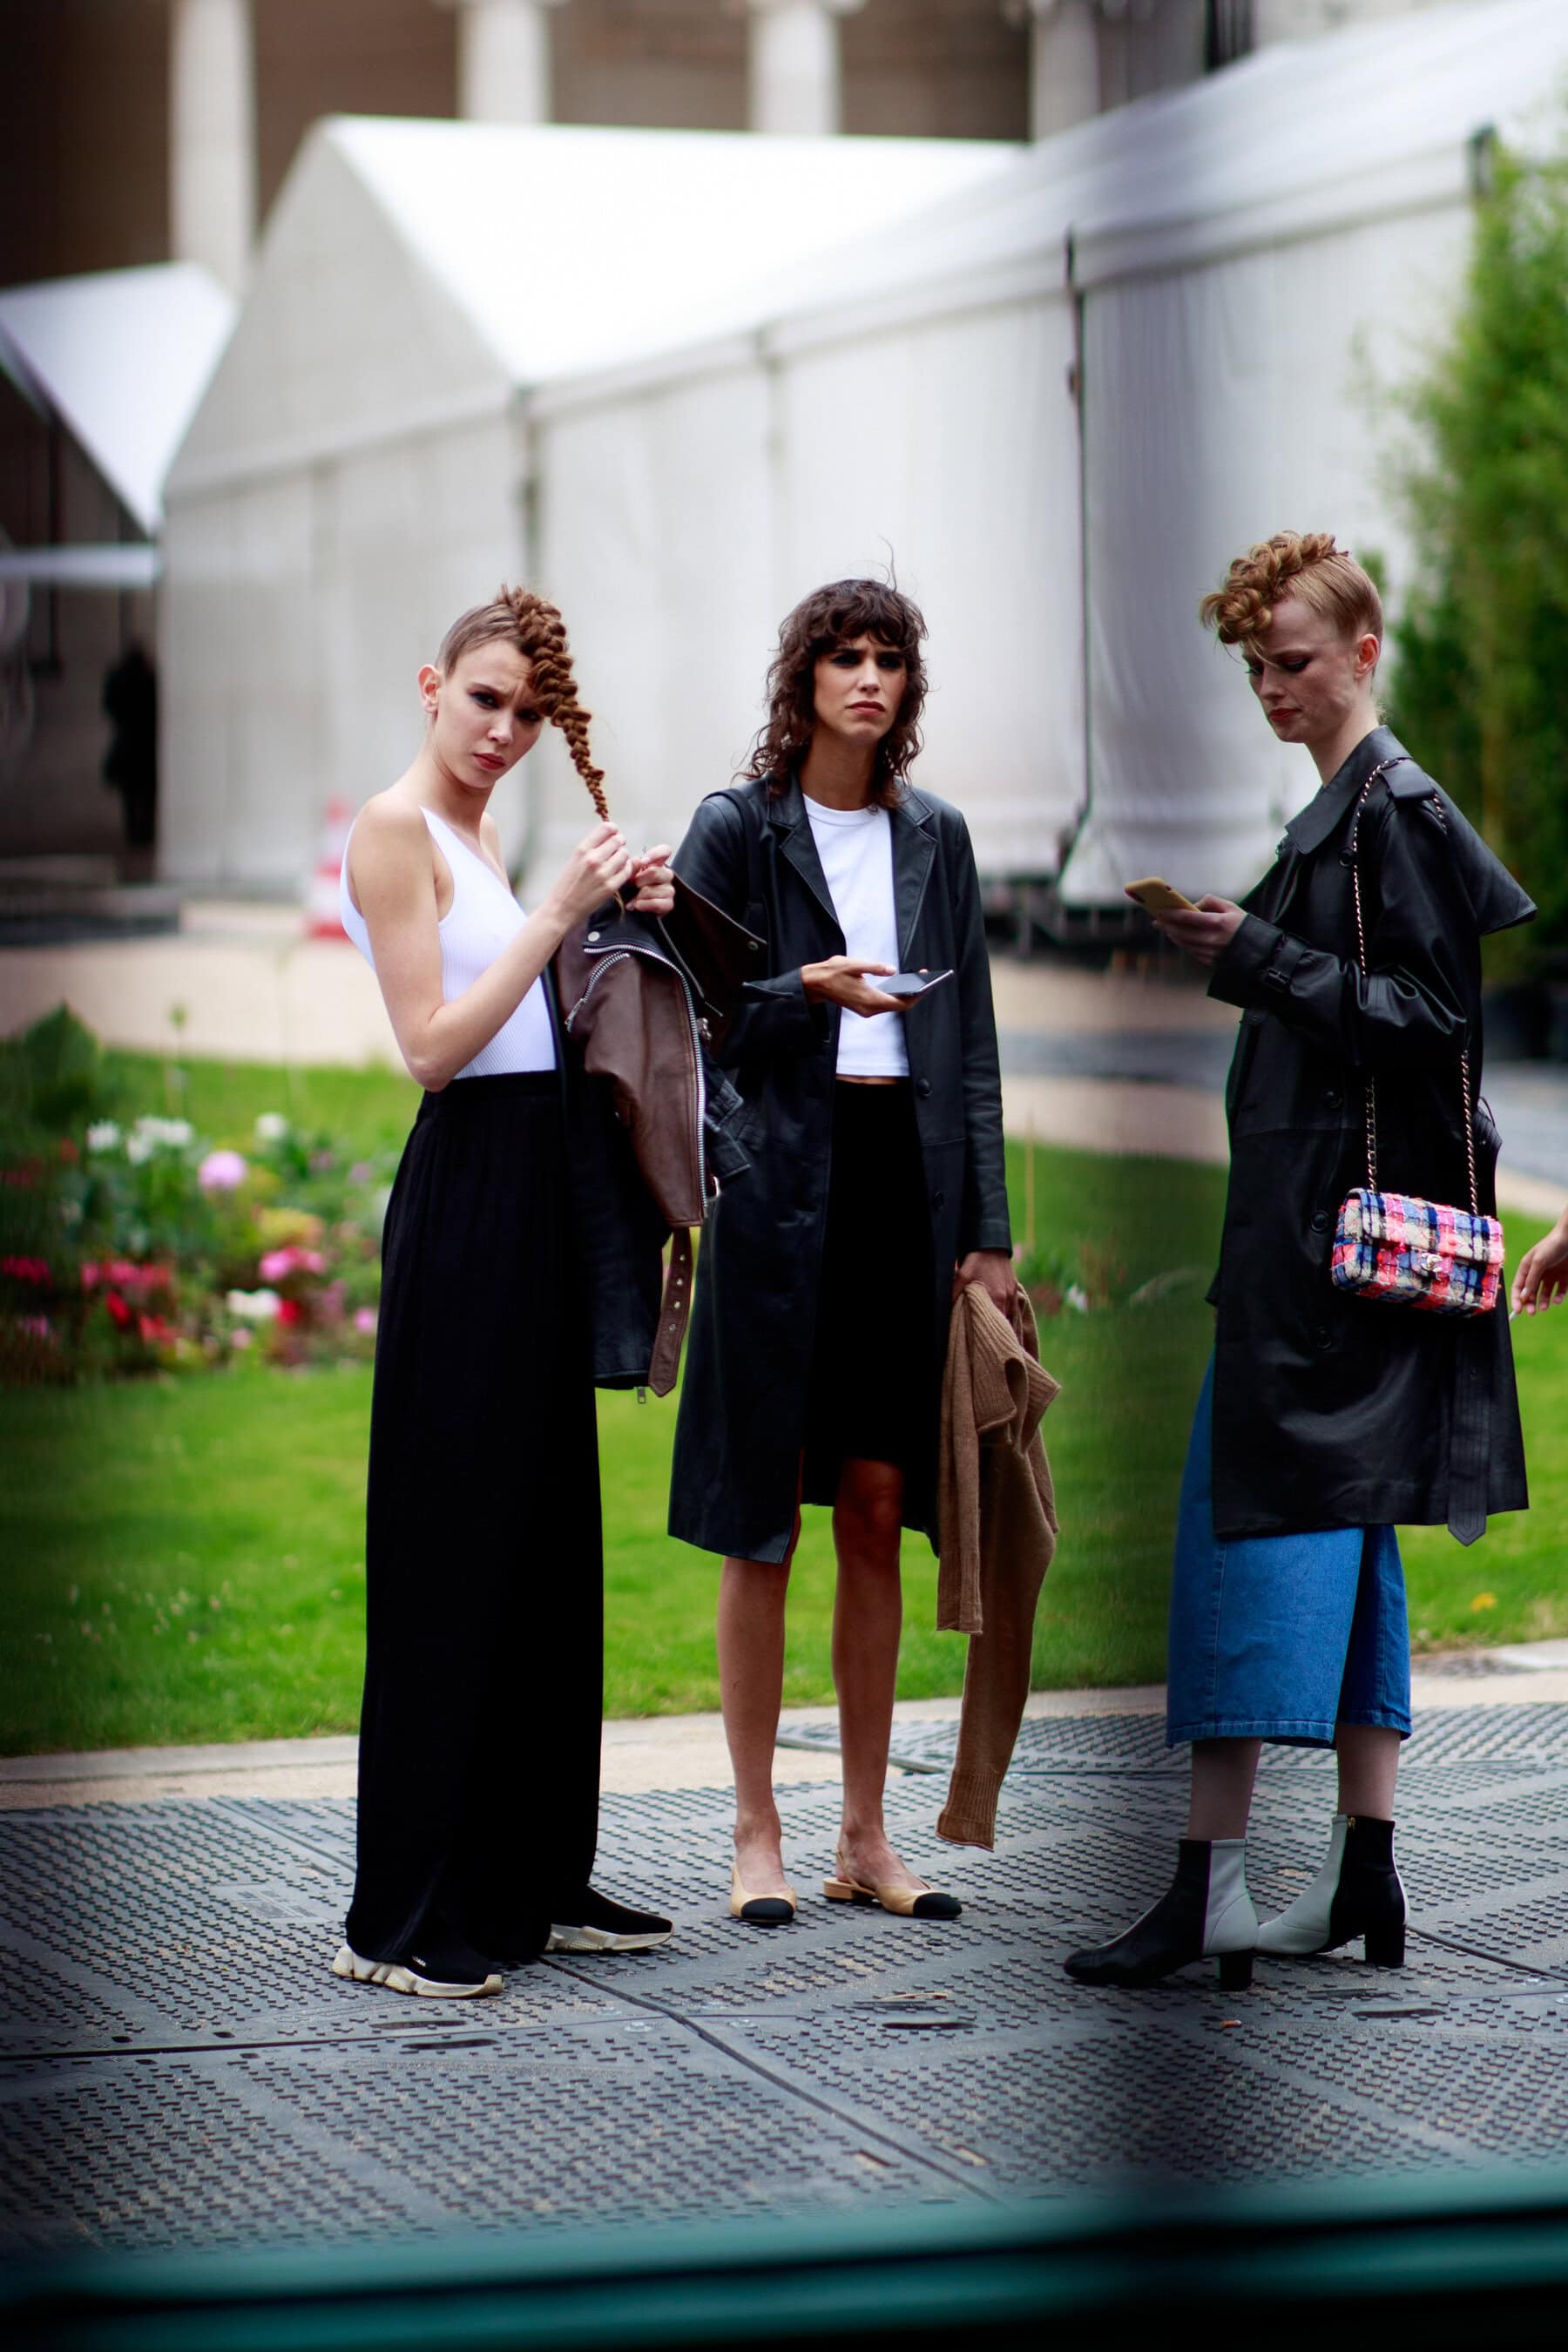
(906, 984)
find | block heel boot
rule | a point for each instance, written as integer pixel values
(1357, 1892)
(1205, 1914)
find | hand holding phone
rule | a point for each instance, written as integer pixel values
(911, 984)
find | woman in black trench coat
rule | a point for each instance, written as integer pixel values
(877, 1188)
(1326, 1418)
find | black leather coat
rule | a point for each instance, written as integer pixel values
(1330, 1411)
(738, 1439)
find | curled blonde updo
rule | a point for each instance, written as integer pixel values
(1303, 564)
(537, 630)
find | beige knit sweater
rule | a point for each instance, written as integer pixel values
(997, 1526)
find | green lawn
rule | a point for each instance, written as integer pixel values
(185, 1556)
(365, 1110)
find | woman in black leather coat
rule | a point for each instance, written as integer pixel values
(1325, 1418)
(875, 1188)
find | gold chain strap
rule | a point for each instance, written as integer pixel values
(1360, 950)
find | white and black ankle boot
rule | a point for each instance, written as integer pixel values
(1356, 1893)
(1206, 1913)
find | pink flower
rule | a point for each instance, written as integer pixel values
(365, 1319)
(119, 1312)
(278, 1265)
(26, 1269)
(220, 1171)
(290, 1311)
(243, 1338)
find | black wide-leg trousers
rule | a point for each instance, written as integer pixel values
(479, 1760)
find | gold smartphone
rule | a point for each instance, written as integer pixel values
(1157, 897)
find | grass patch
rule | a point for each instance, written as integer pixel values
(185, 1557)
(365, 1110)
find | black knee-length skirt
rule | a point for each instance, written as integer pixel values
(479, 1738)
(870, 1376)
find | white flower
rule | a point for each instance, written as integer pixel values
(70, 1212)
(151, 1133)
(1077, 1297)
(271, 1127)
(103, 1134)
(253, 1306)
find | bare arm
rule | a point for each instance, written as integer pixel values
(394, 882)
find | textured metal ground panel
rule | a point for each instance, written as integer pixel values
(178, 2067)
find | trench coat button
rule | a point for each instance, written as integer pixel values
(1320, 1221)
(922, 1087)
(592, 936)
(939, 1200)
(1321, 1336)
(1332, 1097)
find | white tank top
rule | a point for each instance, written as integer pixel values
(483, 916)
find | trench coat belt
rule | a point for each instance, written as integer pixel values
(1469, 1442)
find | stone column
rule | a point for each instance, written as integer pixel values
(1064, 62)
(792, 65)
(503, 59)
(212, 136)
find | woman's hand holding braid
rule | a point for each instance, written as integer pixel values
(599, 865)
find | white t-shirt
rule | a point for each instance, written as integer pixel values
(856, 848)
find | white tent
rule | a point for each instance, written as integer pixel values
(1064, 398)
(1060, 389)
(1243, 344)
(122, 357)
(363, 464)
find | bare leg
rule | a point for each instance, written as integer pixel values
(752, 1594)
(1368, 1757)
(867, 1617)
(1223, 1774)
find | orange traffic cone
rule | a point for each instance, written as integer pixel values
(322, 919)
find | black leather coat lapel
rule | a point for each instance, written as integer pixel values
(788, 813)
(913, 852)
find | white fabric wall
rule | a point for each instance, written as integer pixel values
(296, 613)
(1227, 402)
(655, 539)
(954, 442)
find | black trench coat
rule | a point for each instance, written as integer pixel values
(742, 1407)
(1329, 1412)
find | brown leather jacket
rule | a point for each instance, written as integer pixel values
(641, 1001)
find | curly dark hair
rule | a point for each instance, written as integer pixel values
(828, 617)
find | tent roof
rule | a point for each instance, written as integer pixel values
(571, 248)
(122, 357)
(1294, 136)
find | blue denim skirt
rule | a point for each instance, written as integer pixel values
(1280, 1637)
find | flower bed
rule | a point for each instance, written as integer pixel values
(129, 1243)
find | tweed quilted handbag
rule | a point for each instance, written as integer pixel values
(1395, 1246)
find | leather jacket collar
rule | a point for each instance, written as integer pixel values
(1334, 801)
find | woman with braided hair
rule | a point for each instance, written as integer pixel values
(483, 1557)
(1326, 1418)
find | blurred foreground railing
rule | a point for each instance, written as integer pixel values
(1481, 2258)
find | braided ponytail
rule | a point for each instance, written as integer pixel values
(1303, 564)
(536, 628)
